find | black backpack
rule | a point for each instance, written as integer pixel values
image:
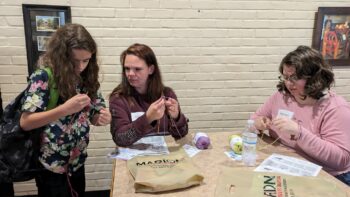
(19, 149)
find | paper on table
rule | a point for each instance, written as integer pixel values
(191, 150)
(233, 155)
(288, 165)
(153, 145)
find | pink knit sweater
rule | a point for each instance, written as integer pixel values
(325, 129)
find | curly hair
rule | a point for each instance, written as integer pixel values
(59, 57)
(309, 65)
(155, 85)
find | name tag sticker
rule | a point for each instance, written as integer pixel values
(285, 113)
(136, 115)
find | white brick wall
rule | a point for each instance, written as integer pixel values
(220, 57)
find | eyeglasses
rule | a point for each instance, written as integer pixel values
(292, 78)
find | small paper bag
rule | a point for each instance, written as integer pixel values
(163, 172)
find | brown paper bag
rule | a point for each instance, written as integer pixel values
(238, 182)
(163, 172)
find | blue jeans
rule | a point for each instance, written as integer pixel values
(345, 178)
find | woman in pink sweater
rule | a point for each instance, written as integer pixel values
(141, 105)
(305, 115)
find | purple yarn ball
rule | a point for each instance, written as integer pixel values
(203, 142)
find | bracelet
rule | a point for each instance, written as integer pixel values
(292, 137)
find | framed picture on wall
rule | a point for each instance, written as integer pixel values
(40, 21)
(332, 35)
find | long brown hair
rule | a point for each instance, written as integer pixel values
(59, 57)
(155, 85)
(309, 65)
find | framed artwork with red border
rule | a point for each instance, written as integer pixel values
(332, 35)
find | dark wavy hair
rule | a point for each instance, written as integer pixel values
(155, 85)
(59, 57)
(309, 65)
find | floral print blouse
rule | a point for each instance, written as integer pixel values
(64, 141)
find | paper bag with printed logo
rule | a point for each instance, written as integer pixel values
(163, 172)
(238, 182)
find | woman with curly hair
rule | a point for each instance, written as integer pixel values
(141, 105)
(306, 115)
(72, 57)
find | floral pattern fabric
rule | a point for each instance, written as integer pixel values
(64, 142)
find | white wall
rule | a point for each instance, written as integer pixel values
(221, 57)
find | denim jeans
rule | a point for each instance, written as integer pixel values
(345, 178)
(52, 184)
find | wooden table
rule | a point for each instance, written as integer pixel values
(209, 161)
